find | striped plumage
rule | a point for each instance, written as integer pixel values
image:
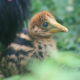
(13, 13)
(31, 43)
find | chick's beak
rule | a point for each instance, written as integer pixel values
(56, 27)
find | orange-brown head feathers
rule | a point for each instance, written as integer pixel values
(43, 24)
(39, 18)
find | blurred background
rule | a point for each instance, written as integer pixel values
(66, 12)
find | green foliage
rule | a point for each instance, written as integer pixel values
(62, 66)
(1, 79)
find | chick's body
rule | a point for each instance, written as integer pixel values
(30, 44)
(21, 50)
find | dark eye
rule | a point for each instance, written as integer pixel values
(45, 25)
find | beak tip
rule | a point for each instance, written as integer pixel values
(66, 30)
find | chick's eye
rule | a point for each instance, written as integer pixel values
(45, 25)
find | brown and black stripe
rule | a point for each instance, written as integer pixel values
(15, 57)
(22, 49)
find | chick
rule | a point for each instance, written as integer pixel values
(33, 42)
